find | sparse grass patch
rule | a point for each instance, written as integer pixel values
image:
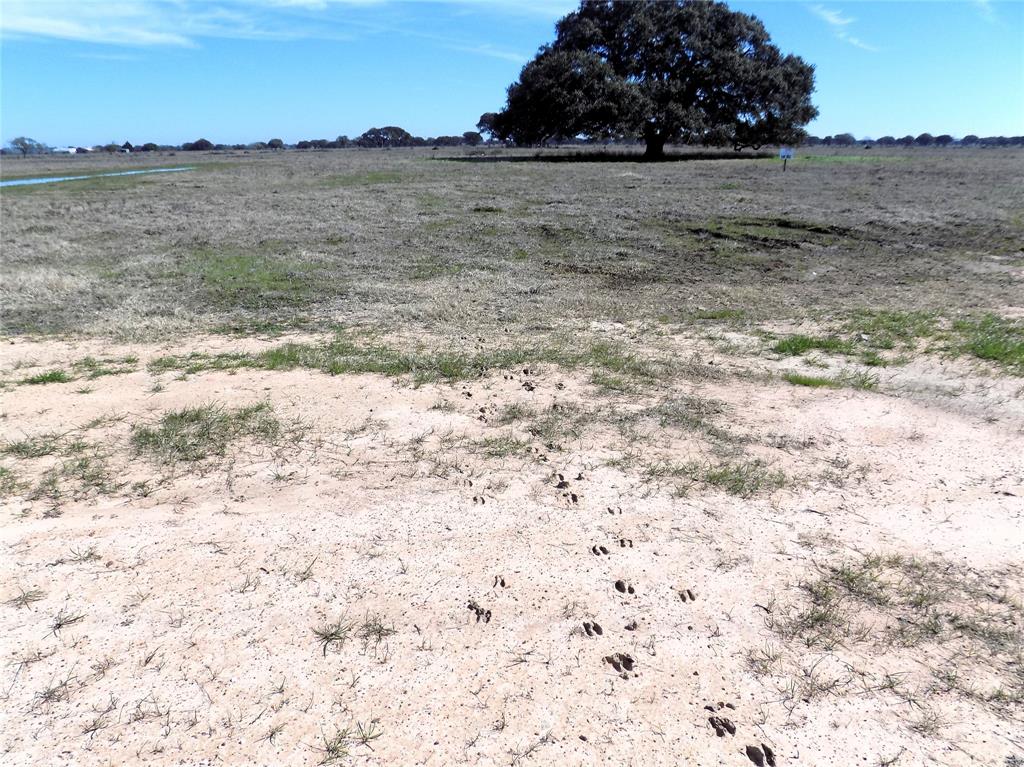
(744, 478)
(994, 339)
(197, 433)
(51, 376)
(848, 379)
(331, 634)
(505, 446)
(890, 601)
(26, 598)
(517, 411)
(34, 447)
(91, 367)
(802, 379)
(369, 178)
(799, 344)
(560, 422)
(344, 354)
(260, 279)
(890, 329)
(9, 482)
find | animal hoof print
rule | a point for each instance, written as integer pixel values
(593, 629)
(599, 550)
(624, 588)
(722, 725)
(481, 614)
(622, 662)
(761, 756)
(687, 595)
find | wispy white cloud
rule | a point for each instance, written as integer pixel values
(101, 22)
(856, 42)
(985, 10)
(839, 24)
(830, 16)
(186, 23)
(492, 52)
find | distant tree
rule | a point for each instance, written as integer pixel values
(925, 139)
(81, 150)
(844, 139)
(447, 141)
(906, 141)
(886, 141)
(812, 141)
(26, 145)
(486, 124)
(674, 70)
(342, 141)
(969, 140)
(944, 140)
(149, 146)
(127, 145)
(472, 138)
(200, 145)
(387, 137)
(275, 143)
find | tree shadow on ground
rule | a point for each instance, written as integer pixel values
(602, 156)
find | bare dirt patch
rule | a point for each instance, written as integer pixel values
(521, 566)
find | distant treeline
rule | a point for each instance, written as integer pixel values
(394, 137)
(375, 138)
(924, 139)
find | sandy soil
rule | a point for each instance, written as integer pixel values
(470, 585)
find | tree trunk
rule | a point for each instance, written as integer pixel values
(655, 146)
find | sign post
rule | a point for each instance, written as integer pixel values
(785, 154)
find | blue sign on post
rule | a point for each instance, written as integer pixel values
(785, 154)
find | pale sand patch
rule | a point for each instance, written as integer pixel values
(204, 591)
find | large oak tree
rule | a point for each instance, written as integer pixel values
(691, 71)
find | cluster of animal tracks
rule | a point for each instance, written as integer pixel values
(623, 660)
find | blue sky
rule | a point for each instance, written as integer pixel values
(93, 71)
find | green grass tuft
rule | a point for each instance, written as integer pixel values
(995, 339)
(798, 344)
(196, 433)
(52, 376)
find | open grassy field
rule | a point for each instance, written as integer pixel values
(478, 457)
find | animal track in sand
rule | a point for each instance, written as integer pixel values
(721, 724)
(481, 613)
(615, 510)
(624, 588)
(598, 550)
(478, 499)
(621, 662)
(593, 628)
(499, 580)
(687, 595)
(626, 543)
(761, 756)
